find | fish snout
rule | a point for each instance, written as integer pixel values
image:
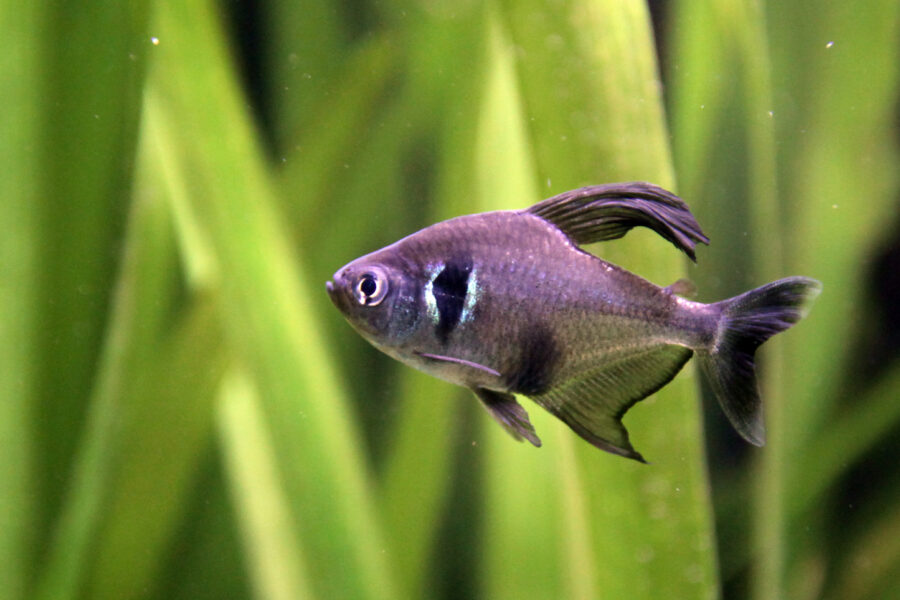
(335, 288)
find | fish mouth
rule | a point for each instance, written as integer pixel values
(334, 292)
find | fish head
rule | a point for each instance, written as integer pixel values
(378, 297)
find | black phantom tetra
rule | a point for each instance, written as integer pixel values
(507, 303)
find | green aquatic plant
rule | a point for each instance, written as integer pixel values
(184, 415)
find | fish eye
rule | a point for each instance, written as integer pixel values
(371, 288)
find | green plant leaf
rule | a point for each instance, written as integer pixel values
(20, 84)
(276, 563)
(87, 143)
(623, 528)
(142, 305)
(268, 314)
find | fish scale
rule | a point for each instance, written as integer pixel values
(508, 303)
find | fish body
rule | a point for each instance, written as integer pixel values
(507, 303)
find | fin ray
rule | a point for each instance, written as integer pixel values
(606, 212)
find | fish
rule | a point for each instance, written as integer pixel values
(508, 303)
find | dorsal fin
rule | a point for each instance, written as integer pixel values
(606, 212)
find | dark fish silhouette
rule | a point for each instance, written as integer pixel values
(507, 303)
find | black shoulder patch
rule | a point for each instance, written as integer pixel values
(539, 355)
(450, 288)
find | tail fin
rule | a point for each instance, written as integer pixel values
(747, 321)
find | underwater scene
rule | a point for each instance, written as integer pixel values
(238, 359)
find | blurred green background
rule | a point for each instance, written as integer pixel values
(184, 415)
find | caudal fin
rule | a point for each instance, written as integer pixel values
(747, 321)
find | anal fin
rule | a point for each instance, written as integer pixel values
(509, 413)
(593, 402)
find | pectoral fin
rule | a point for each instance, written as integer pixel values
(606, 212)
(509, 414)
(593, 403)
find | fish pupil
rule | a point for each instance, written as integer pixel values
(368, 286)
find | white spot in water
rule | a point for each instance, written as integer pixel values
(702, 106)
(834, 206)
(154, 41)
(771, 113)
(829, 44)
(548, 182)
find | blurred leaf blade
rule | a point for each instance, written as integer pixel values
(411, 506)
(834, 228)
(163, 441)
(267, 313)
(828, 241)
(614, 122)
(207, 560)
(164, 418)
(317, 163)
(275, 557)
(816, 228)
(141, 306)
(847, 440)
(20, 83)
(88, 142)
(305, 41)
